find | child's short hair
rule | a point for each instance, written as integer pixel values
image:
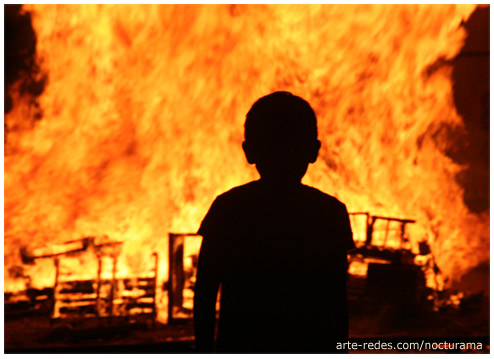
(280, 115)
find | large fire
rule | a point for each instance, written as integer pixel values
(143, 111)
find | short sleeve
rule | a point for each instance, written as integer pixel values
(214, 221)
(212, 229)
(346, 233)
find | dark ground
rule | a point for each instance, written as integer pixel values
(38, 334)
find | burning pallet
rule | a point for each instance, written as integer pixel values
(75, 299)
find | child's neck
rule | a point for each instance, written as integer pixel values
(280, 183)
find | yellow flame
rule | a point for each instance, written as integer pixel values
(144, 108)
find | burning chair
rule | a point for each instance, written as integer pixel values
(382, 268)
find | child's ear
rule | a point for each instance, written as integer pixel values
(314, 151)
(249, 152)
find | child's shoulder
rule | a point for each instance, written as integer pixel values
(316, 193)
(317, 196)
(238, 193)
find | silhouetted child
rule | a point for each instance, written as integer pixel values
(277, 247)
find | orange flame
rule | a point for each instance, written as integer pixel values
(144, 108)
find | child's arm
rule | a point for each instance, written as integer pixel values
(206, 290)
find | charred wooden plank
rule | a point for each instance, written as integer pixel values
(80, 286)
(34, 293)
(392, 219)
(139, 305)
(143, 295)
(83, 309)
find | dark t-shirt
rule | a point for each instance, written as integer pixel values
(280, 255)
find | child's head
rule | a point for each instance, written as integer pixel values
(281, 137)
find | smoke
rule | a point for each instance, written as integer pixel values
(23, 77)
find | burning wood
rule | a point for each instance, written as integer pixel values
(74, 298)
(106, 297)
(98, 244)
